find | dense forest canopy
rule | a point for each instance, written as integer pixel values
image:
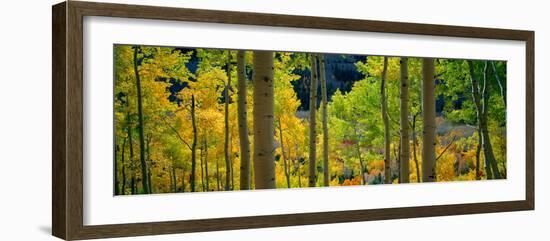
(197, 120)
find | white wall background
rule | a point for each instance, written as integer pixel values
(25, 119)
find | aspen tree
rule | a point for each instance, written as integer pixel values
(313, 123)
(263, 119)
(404, 97)
(243, 121)
(428, 114)
(324, 120)
(226, 124)
(385, 120)
(144, 176)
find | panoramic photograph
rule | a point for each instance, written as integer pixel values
(205, 120)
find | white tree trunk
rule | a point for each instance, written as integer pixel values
(386, 121)
(313, 123)
(243, 121)
(500, 85)
(487, 147)
(325, 124)
(481, 118)
(405, 147)
(263, 113)
(428, 114)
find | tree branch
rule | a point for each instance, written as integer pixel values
(177, 133)
(447, 147)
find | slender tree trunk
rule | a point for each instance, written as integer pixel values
(244, 141)
(149, 164)
(361, 164)
(500, 85)
(123, 189)
(313, 123)
(206, 163)
(415, 142)
(325, 123)
(226, 124)
(218, 180)
(231, 160)
(299, 168)
(397, 154)
(476, 96)
(299, 175)
(183, 180)
(490, 163)
(172, 181)
(478, 154)
(133, 184)
(285, 164)
(144, 176)
(132, 161)
(290, 161)
(385, 120)
(428, 114)
(264, 165)
(115, 183)
(174, 187)
(193, 145)
(201, 156)
(487, 146)
(405, 145)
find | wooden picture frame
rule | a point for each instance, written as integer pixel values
(67, 123)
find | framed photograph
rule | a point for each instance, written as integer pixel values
(171, 120)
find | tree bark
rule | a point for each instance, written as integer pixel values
(487, 146)
(415, 142)
(243, 121)
(226, 124)
(193, 145)
(144, 176)
(428, 114)
(313, 123)
(264, 165)
(397, 155)
(324, 101)
(405, 145)
(385, 120)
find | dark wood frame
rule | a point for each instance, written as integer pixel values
(67, 123)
